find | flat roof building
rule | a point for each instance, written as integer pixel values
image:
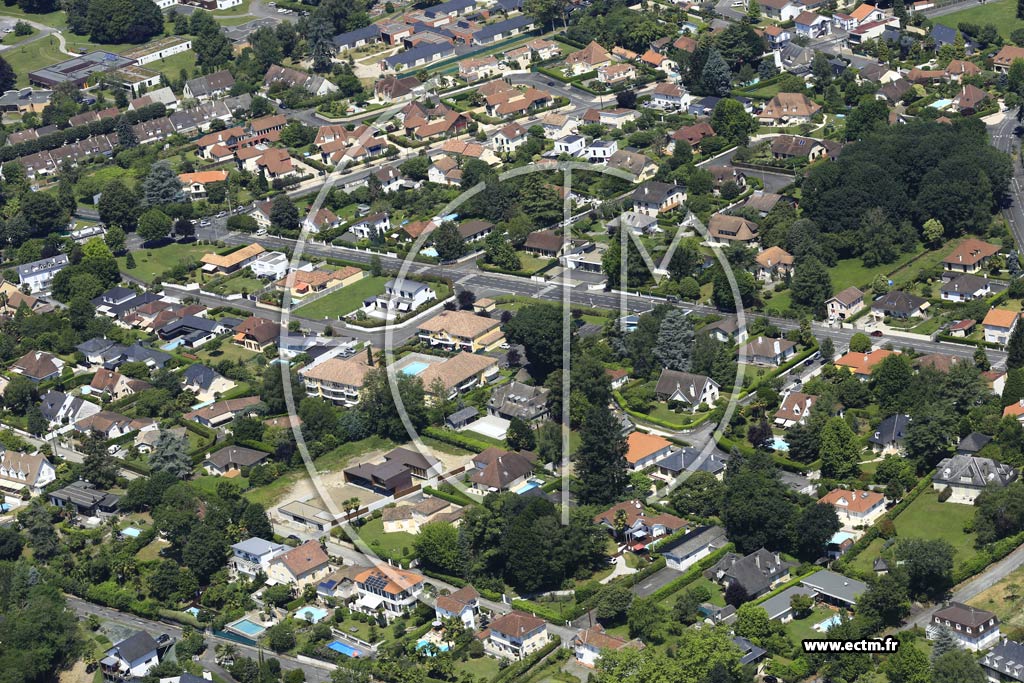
(78, 70)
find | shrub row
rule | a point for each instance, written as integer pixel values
(457, 497)
(456, 439)
(691, 574)
(517, 671)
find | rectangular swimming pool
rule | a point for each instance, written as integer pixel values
(313, 615)
(414, 368)
(131, 532)
(248, 627)
(527, 486)
(343, 648)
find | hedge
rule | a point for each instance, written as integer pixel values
(691, 574)
(457, 497)
(456, 439)
(789, 584)
(546, 613)
(519, 669)
(675, 426)
(986, 556)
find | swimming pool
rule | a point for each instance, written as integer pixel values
(429, 251)
(170, 346)
(779, 444)
(940, 104)
(343, 648)
(194, 611)
(248, 627)
(131, 532)
(828, 623)
(414, 368)
(313, 615)
(420, 644)
(528, 486)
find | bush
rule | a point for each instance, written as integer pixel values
(887, 528)
(945, 494)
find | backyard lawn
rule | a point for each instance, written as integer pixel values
(343, 301)
(397, 545)
(227, 351)
(1001, 13)
(800, 630)
(152, 262)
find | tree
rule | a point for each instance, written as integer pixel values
(645, 617)
(118, 205)
(43, 213)
(538, 327)
(161, 186)
(933, 232)
(840, 456)
(545, 11)
(281, 637)
(283, 213)
(154, 225)
(266, 47)
(319, 36)
(753, 12)
(889, 382)
(907, 665)
(756, 510)
(255, 522)
(498, 251)
(519, 436)
(171, 455)
(886, 599)
(204, 551)
(7, 75)
(752, 622)
(97, 465)
(957, 666)
(448, 242)
(126, 138)
(811, 285)
(715, 78)
(821, 70)
(944, 642)
(700, 494)
(437, 546)
(1020, 9)
(869, 115)
(115, 239)
(815, 525)
(928, 563)
(613, 603)
(928, 437)
(1015, 348)
(736, 594)
(600, 461)
(123, 21)
(675, 340)
(11, 544)
(211, 45)
(378, 407)
(801, 604)
(860, 343)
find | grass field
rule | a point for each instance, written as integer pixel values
(803, 629)
(32, 56)
(396, 546)
(1006, 599)
(343, 301)
(152, 262)
(1001, 13)
(227, 351)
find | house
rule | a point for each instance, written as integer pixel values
(397, 89)
(1004, 662)
(756, 573)
(635, 164)
(195, 184)
(999, 324)
(767, 351)
(253, 555)
(205, 382)
(212, 85)
(845, 304)
(899, 304)
(629, 521)
(401, 297)
(693, 391)
(969, 99)
(256, 334)
(965, 287)
(588, 59)
(589, 643)
(477, 68)
(387, 590)
(38, 366)
(865, 14)
(683, 552)
(518, 400)
(341, 583)
(773, 263)
(232, 459)
(461, 331)
(725, 174)
(458, 374)
(1004, 59)
(394, 473)
(515, 635)
(693, 135)
(131, 658)
(967, 476)
(462, 418)
(779, 607)
(115, 385)
(272, 265)
(669, 97)
(727, 330)
(410, 518)
(794, 409)
(958, 68)
(509, 139)
(636, 223)
(974, 629)
(600, 151)
(611, 74)
(972, 443)
(302, 565)
(60, 409)
(222, 412)
(85, 499)
(888, 437)
(654, 197)
(970, 256)
(371, 226)
(862, 364)
(38, 275)
(293, 78)
(644, 450)
(855, 508)
(339, 380)
(788, 109)
(495, 470)
(12, 299)
(724, 229)
(463, 604)
(444, 171)
(21, 471)
(229, 263)
(571, 145)
(544, 243)
(812, 25)
(780, 10)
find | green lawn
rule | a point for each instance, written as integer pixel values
(1006, 599)
(851, 272)
(33, 56)
(241, 284)
(803, 629)
(208, 484)
(396, 546)
(152, 262)
(484, 668)
(343, 301)
(172, 66)
(227, 351)
(1002, 13)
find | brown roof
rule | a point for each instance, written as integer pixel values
(634, 510)
(543, 240)
(695, 133)
(348, 371)
(36, 364)
(456, 369)
(854, 501)
(943, 362)
(501, 467)
(458, 600)
(970, 97)
(774, 256)
(789, 104)
(235, 257)
(395, 580)
(965, 615)
(999, 317)
(261, 330)
(642, 445)
(596, 637)
(970, 252)
(849, 296)
(591, 55)
(735, 228)
(221, 408)
(962, 67)
(464, 324)
(765, 347)
(863, 363)
(416, 228)
(305, 558)
(685, 43)
(1007, 54)
(795, 406)
(516, 624)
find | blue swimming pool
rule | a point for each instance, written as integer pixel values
(824, 626)
(429, 251)
(414, 368)
(249, 628)
(940, 104)
(170, 346)
(779, 444)
(528, 486)
(313, 615)
(131, 532)
(343, 648)
(420, 644)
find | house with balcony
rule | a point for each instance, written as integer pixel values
(387, 590)
(253, 555)
(515, 635)
(463, 604)
(973, 628)
(461, 331)
(302, 565)
(845, 304)
(855, 508)
(338, 380)
(794, 409)
(130, 659)
(654, 197)
(400, 297)
(967, 476)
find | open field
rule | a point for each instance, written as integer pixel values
(343, 301)
(1001, 13)
(152, 262)
(1005, 599)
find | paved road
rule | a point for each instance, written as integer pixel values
(1003, 138)
(314, 674)
(773, 182)
(655, 581)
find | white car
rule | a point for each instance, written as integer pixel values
(505, 346)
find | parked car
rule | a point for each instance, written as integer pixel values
(876, 333)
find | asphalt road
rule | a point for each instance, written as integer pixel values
(773, 182)
(1003, 138)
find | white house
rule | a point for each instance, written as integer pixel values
(682, 553)
(588, 644)
(967, 476)
(974, 629)
(855, 508)
(272, 265)
(999, 324)
(20, 471)
(387, 590)
(516, 635)
(131, 658)
(39, 274)
(252, 556)
(463, 604)
(371, 226)
(572, 145)
(402, 298)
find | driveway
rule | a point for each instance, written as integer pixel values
(654, 582)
